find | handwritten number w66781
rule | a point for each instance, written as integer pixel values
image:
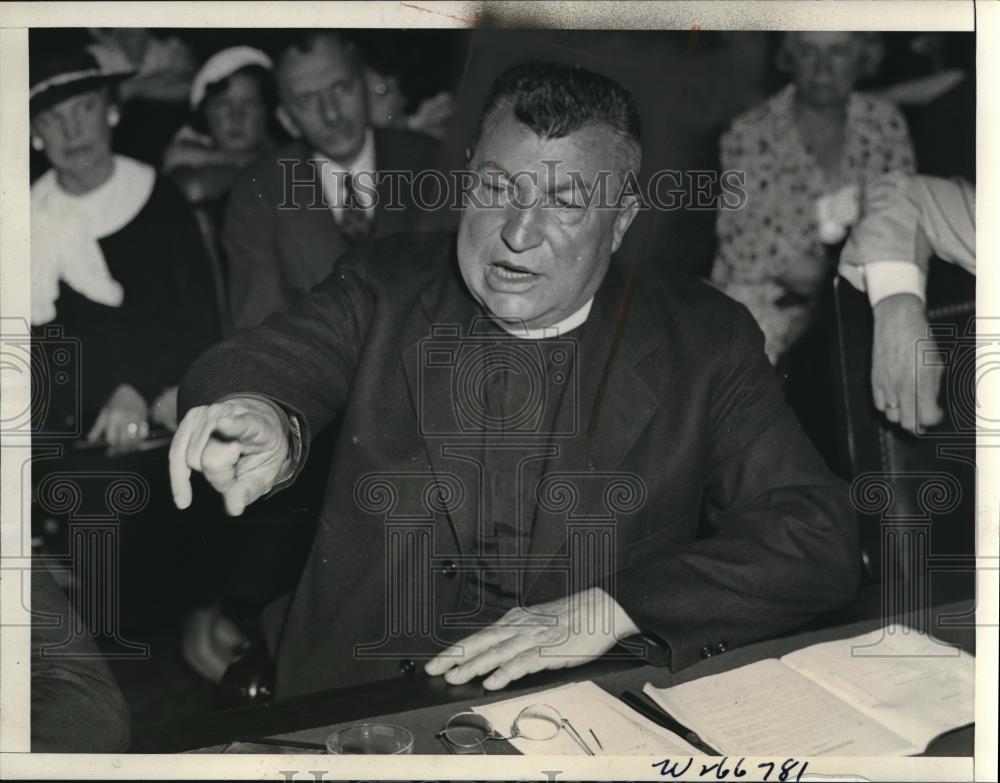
(789, 771)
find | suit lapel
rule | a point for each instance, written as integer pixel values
(614, 415)
(311, 225)
(446, 309)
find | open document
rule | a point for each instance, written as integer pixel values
(608, 726)
(885, 693)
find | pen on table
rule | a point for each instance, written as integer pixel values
(280, 743)
(577, 738)
(661, 718)
(595, 739)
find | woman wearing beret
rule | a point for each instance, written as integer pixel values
(232, 102)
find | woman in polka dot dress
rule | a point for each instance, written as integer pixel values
(807, 154)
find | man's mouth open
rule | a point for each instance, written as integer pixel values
(509, 276)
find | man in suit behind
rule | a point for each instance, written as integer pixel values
(292, 213)
(538, 462)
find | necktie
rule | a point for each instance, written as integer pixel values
(354, 220)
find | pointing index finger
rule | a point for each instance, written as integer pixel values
(180, 473)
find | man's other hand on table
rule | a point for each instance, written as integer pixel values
(566, 632)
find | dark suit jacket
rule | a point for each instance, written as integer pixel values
(281, 240)
(692, 432)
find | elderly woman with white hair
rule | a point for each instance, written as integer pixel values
(807, 153)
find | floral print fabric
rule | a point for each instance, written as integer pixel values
(770, 256)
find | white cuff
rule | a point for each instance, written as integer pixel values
(887, 278)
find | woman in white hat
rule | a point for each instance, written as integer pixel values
(232, 102)
(117, 262)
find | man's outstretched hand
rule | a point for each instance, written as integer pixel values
(905, 391)
(241, 446)
(566, 632)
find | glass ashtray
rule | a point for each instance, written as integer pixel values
(386, 739)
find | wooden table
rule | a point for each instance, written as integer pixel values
(423, 704)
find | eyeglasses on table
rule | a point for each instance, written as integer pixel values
(538, 722)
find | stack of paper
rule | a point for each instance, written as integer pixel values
(886, 693)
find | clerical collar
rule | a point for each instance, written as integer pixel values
(565, 326)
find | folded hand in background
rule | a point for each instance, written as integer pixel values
(905, 386)
(123, 421)
(126, 420)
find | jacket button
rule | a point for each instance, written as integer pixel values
(721, 646)
(407, 667)
(449, 569)
(706, 651)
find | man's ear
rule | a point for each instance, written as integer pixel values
(287, 122)
(626, 214)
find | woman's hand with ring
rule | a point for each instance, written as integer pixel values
(122, 420)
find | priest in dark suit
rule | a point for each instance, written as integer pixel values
(294, 211)
(539, 462)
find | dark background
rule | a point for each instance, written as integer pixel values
(689, 87)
